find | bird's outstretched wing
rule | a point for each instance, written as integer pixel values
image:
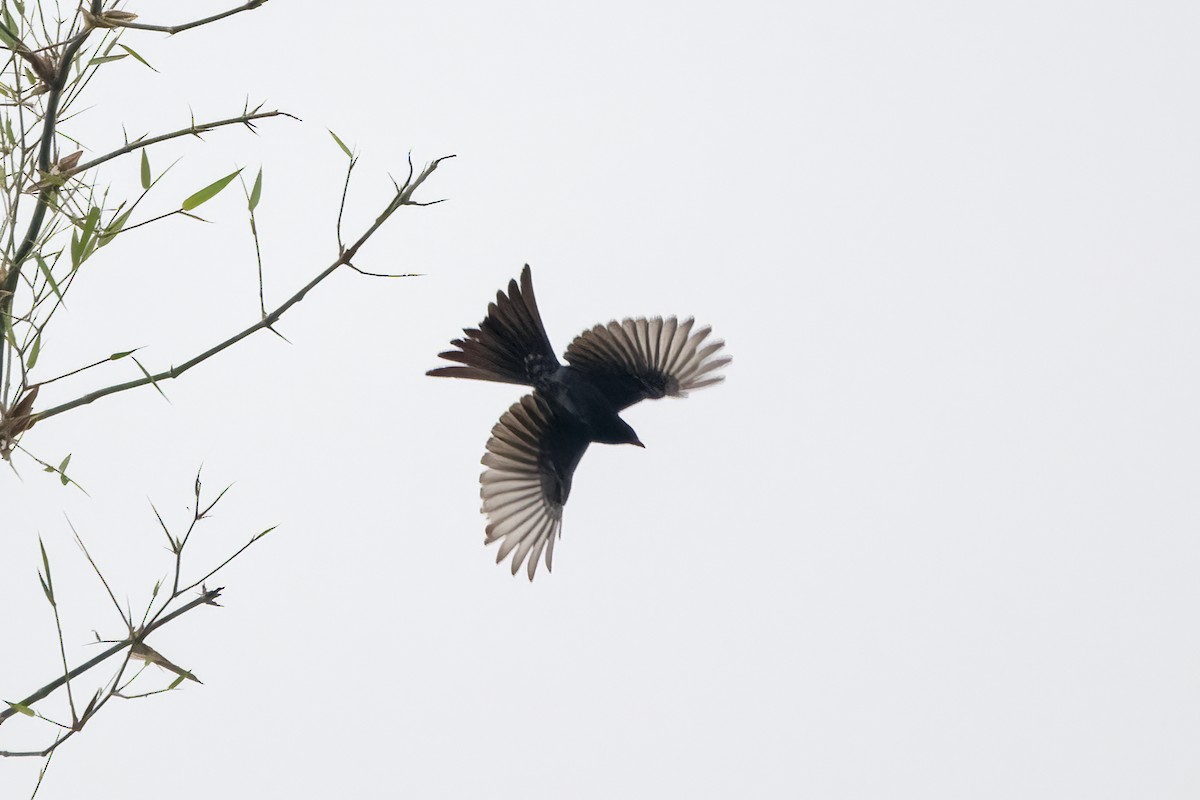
(639, 359)
(530, 459)
(509, 346)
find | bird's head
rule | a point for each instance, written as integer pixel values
(622, 433)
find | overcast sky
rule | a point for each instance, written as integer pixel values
(934, 537)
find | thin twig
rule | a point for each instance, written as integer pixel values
(386, 274)
(62, 650)
(226, 562)
(342, 205)
(100, 575)
(82, 369)
(262, 297)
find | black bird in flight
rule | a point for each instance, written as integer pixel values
(539, 441)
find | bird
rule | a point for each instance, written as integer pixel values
(538, 442)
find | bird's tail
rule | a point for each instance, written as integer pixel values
(509, 346)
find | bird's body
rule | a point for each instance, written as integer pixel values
(539, 441)
(575, 393)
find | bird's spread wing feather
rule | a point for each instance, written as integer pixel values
(641, 359)
(530, 459)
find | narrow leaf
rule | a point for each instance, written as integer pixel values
(89, 226)
(145, 169)
(256, 192)
(87, 712)
(135, 54)
(106, 59)
(34, 352)
(49, 278)
(209, 192)
(42, 547)
(341, 144)
(177, 681)
(9, 334)
(62, 470)
(47, 582)
(114, 227)
(26, 710)
(153, 382)
(118, 356)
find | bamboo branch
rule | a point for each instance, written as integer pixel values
(207, 598)
(403, 197)
(174, 29)
(193, 130)
(57, 86)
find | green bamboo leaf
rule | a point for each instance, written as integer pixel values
(89, 226)
(49, 278)
(256, 192)
(9, 333)
(145, 169)
(20, 7)
(136, 55)
(209, 192)
(341, 144)
(113, 228)
(87, 712)
(118, 356)
(34, 352)
(62, 470)
(45, 558)
(153, 382)
(177, 681)
(47, 582)
(106, 59)
(26, 710)
(76, 250)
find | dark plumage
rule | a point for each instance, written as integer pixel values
(539, 441)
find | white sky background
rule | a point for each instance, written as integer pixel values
(936, 536)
